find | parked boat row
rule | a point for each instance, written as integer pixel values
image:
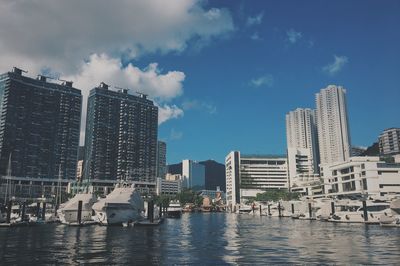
(123, 205)
(385, 213)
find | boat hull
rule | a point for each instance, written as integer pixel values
(71, 216)
(117, 215)
(174, 214)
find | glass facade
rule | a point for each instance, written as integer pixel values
(39, 126)
(121, 136)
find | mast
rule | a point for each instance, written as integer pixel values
(58, 195)
(8, 178)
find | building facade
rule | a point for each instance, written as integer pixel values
(168, 187)
(389, 141)
(302, 145)
(161, 159)
(248, 175)
(121, 136)
(332, 123)
(362, 176)
(39, 127)
(193, 175)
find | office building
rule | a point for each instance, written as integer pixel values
(161, 159)
(248, 175)
(332, 124)
(361, 176)
(389, 142)
(39, 126)
(121, 136)
(193, 175)
(168, 187)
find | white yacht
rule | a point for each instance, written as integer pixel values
(123, 205)
(174, 209)
(353, 212)
(392, 218)
(68, 211)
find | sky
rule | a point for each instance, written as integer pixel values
(223, 73)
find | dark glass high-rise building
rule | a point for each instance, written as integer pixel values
(39, 126)
(121, 136)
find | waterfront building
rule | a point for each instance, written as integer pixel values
(300, 167)
(361, 176)
(389, 142)
(121, 136)
(173, 177)
(168, 187)
(248, 175)
(302, 141)
(161, 159)
(332, 123)
(39, 127)
(214, 173)
(193, 175)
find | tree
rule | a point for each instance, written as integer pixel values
(277, 194)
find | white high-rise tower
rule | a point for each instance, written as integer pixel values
(333, 126)
(302, 144)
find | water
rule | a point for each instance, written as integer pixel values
(209, 238)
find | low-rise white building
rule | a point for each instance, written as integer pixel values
(361, 176)
(248, 175)
(168, 187)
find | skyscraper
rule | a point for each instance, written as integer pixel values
(302, 142)
(193, 175)
(161, 159)
(39, 126)
(333, 126)
(121, 136)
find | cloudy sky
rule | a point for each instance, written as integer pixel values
(223, 73)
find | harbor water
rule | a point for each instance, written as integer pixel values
(203, 238)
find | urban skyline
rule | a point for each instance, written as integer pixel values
(236, 67)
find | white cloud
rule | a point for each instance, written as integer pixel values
(293, 36)
(266, 80)
(199, 105)
(166, 112)
(162, 87)
(337, 65)
(85, 41)
(255, 37)
(256, 20)
(60, 34)
(175, 135)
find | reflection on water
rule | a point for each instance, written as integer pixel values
(209, 238)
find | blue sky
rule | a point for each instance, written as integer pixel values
(250, 118)
(224, 73)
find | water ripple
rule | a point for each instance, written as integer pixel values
(209, 238)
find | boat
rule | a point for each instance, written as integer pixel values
(189, 207)
(68, 211)
(123, 205)
(353, 212)
(245, 209)
(206, 206)
(393, 218)
(174, 209)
